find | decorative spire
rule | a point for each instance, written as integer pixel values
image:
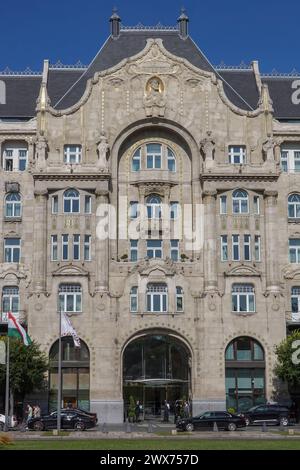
(115, 22)
(183, 22)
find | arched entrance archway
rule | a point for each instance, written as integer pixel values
(156, 367)
(245, 373)
(75, 375)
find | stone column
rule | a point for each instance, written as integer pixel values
(40, 241)
(210, 241)
(271, 240)
(101, 248)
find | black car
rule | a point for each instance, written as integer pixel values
(70, 419)
(270, 414)
(206, 421)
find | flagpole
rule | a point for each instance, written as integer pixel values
(59, 372)
(7, 387)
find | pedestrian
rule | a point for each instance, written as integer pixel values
(166, 411)
(29, 413)
(137, 411)
(186, 410)
(36, 411)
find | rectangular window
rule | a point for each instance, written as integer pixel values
(243, 298)
(257, 247)
(224, 248)
(54, 248)
(12, 250)
(153, 156)
(256, 208)
(72, 154)
(70, 298)
(133, 250)
(295, 299)
(223, 205)
(10, 301)
(8, 162)
(174, 250)
(294, 250)
(154, 248)
(237, 155)
(136, 161)
(76, 247)
(87, 204)
(133, 209)
(173, 210)
(290, 160)
(22, 159)
(134, 299)
(235, 247)
(65, 247)
(87, 247)
(15, 159)
(284, 161)
(54, 207)
(247, 247)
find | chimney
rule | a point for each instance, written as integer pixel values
(183, 23)
(115, 24)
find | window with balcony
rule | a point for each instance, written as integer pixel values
(13, 205)
(294, 206)
(154, 248)
(237, 154)
(71, 201)
(70, 298)
(243, 298)
(157, 297)
(12, 250)
(154, 209)
(153, 156)
(240, 202)
(15, 159)
(290, 159)
(134, 299)
(294, 250)
(72, 154)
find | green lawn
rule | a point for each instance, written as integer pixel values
(148, 444)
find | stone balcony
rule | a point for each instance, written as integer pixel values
(292, 317)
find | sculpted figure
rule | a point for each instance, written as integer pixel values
(103, 149)
(154, 100)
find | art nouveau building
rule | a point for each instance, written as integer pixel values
(190, 308)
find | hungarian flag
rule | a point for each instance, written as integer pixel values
(16, 330)
(68, 330)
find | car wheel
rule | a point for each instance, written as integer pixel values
(38, 426)
(189, 427)
(231, 427)
(79, 426)
(284, 421)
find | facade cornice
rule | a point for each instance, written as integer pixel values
(70, 176)
(239, 177)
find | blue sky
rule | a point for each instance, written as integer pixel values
(226, 30)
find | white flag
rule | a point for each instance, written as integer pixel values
(68, 330)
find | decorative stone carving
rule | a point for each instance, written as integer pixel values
(154, 100)
(268, 149)
(103, 150)
(12, 187)
(207, 145)
(40, 153)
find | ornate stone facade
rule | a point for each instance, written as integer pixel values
(154, 97)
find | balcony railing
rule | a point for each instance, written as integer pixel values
(292, 317)
(20, 316)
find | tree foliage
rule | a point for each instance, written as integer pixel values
(288, 352)
(28, 365)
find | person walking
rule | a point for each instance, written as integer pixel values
(29, 413)
(186, 410)
(137, 411)
(36, 411)
(166, 411)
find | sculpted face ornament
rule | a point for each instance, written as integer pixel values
(154, 100)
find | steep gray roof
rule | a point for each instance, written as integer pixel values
(240, 87)
(281, 91)
(21, 94)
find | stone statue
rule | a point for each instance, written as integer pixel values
(154, 100)
(268, 148)
(103, 149)
(207, 146)
(40, 153)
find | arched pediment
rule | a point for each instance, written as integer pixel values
(242, 270)
(70, 270)
(13, 276)
(155, 267)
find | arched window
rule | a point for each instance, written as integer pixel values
(70, 298)
(154, 207)
(136, 160)
(171, 160)
(245, 374)
(10, 301)
(240, 202)
(13, 205)
(134, 299)
(157, 297)
(179, 299)
(75, 375)
(71, 201)
(243, 298)
(294, 206)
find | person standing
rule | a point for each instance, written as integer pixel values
(186, 410)
(36, 411)
(166, 411)
(137, 411)
(29, 413)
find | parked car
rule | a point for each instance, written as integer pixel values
(11, 424)
(270, 414)
(70, 419)
(223, 419)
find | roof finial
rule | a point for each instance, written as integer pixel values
(115, 21)
(183, 21)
